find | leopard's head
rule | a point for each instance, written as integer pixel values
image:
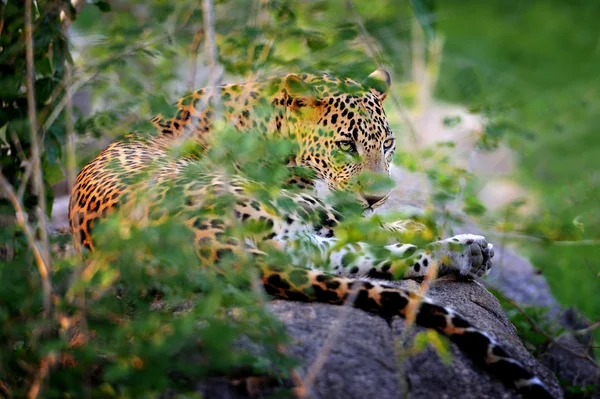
(341, 128)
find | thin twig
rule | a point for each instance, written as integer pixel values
(4, 389)
(51, 104)
(71, 158)
(211, 48)
(589, 329)
(194, 58)
(332, 337)
(58, 108)
(38, 181)
(526, 237)
(29, 233)
(45, 364)
(1, 23)
(24, 161)
(542, 239)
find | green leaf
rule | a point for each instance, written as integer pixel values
(451, 121)
(316, 42)
(103, 5)
(473, 206)
(439, 343)
(374, 183)
(408, 160)
(43, 66)
(346, 31)
(3, 133)
(53, 173)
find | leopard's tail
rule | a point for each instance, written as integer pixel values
(316, 286)
(481, 347)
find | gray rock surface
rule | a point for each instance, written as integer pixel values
(362, 357)
(574, 370)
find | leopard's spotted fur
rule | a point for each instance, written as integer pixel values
(340, 129)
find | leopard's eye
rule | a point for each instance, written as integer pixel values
(347, 146)
(389, 143)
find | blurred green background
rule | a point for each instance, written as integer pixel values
(533, 68)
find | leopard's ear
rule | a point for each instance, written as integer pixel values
(378, 83)
(300, 93)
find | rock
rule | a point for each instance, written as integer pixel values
(516, 277)
(361, 360)
(573, 370)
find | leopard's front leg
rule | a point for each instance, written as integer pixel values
(466, 254)
(357, 259)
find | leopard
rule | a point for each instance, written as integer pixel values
(339, 130)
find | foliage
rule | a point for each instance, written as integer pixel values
(50, 52)
(576, 392)
(440, 343)
(146, 320)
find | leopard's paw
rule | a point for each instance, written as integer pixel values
(468, 254)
